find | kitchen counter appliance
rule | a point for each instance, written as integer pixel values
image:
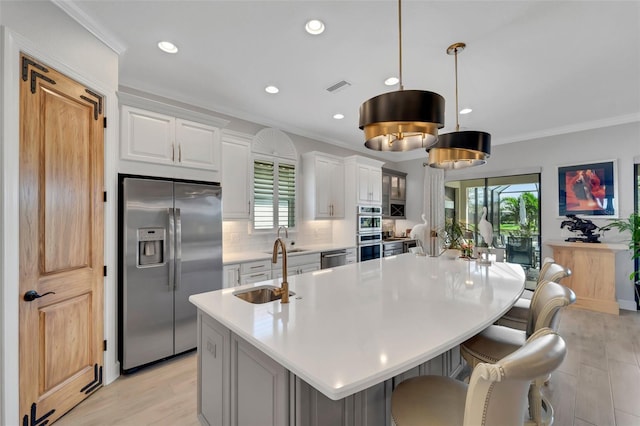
(369, 236)
(170, 247)
(331, 259)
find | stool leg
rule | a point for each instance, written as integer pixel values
(540, 409)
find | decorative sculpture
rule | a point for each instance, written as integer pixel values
(485, 227)
(420, 233)
(584, 226)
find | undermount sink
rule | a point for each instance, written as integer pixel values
(262, 294)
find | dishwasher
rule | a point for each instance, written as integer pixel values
(331, 259)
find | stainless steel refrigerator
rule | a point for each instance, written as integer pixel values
(170, 247)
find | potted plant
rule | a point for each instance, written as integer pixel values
(453, 236)
(632, 225)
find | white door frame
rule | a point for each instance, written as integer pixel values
(12, 44)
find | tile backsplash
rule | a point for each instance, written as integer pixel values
(237, 235)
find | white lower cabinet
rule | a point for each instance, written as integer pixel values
(239, 385)
(230, 276)
(253, 272)
(298, 264)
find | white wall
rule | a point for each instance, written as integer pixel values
(620, 142)
(40, 29)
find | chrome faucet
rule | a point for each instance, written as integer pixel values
(284, 290)
(286, 231)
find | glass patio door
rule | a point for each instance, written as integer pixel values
(513, 209)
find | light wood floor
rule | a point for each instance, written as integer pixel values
(598, 383)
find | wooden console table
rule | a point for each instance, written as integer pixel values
(593, 273)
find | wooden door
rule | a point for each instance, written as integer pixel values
(61, 243)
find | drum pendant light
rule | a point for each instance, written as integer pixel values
(457, 150)
(402, 120)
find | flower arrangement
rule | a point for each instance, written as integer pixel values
(467, 248)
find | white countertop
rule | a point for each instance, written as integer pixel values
(351, 327)
(229, 258)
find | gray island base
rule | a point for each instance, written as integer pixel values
(350, 335)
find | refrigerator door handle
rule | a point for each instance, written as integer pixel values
(178, 249)
(172, 242)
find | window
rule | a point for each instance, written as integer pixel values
(274, 194)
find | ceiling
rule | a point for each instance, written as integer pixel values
(530, 69)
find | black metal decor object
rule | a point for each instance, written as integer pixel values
(584, 226)
(92, 102)
(26, 62)
(96, 382)
(25, 67)
(32, 419)
(36, 74)
(97, 104)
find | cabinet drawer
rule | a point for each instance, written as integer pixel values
(253, 267)
(255, 278)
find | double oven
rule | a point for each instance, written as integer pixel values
(369, 232)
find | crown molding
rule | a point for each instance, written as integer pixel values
(573, 128)
(77, 14)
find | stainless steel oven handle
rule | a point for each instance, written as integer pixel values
(326, 256)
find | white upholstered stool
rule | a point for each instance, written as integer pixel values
(496, 394)
(497, 341)
(518, 315)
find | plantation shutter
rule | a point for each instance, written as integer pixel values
(286, 195)
(263, 184)
(274, 190)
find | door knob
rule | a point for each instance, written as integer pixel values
(32, 295)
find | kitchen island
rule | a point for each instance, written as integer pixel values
(348, 336)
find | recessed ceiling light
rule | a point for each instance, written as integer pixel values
(271, 89)
(167, 46)
(314, 27)
(338, 116)
(465, 110)
(391, 81)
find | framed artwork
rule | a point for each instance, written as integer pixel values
(588, 189)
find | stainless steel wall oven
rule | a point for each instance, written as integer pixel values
(369, 232)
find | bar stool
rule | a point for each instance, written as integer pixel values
(496, 394)
(497, 341)
(518, 315)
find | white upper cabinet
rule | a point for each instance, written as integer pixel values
(158, 138)
(363, 182)
(147, 136)
(369, 184)
(323, 178)
(236, 169)
(185, 143)
(198, 145)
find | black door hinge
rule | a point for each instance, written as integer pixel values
(104, 196)
(104, 270)
(105, 122)
(104, 345)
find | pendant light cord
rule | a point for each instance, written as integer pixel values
(456, 67)
(400, 42)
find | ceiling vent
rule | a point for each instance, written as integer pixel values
(338, 86)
